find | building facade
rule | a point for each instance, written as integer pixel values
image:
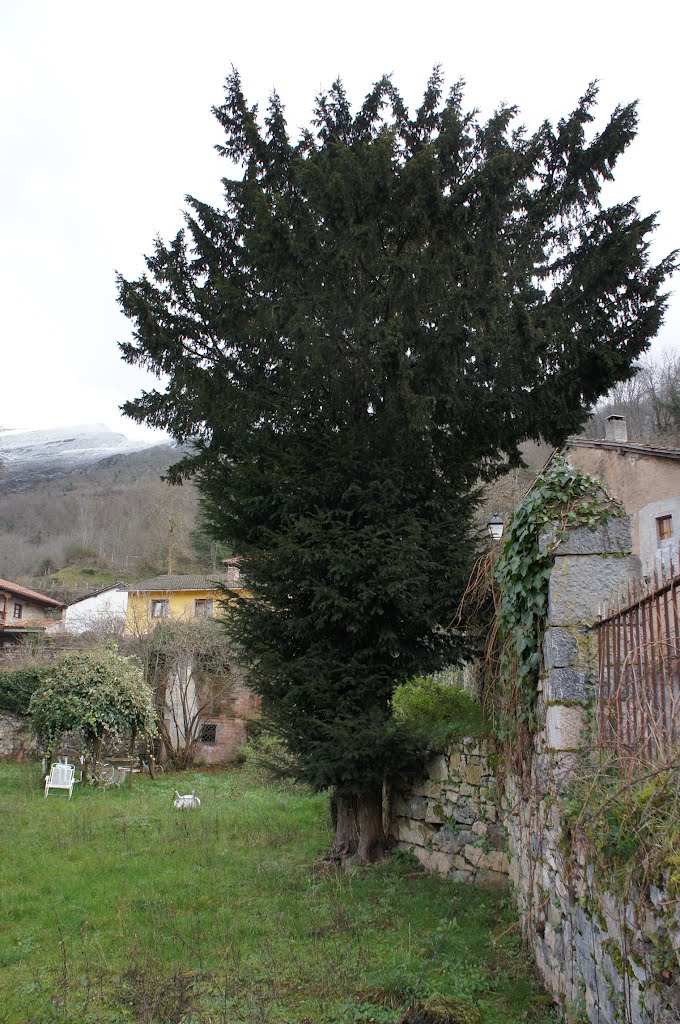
(24, 612)
(646, 480)
(209, 710)
(102, 612)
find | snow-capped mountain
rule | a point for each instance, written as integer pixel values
(27, 456)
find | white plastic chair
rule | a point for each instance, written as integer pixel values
(61, 776)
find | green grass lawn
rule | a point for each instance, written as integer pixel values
(115, 908)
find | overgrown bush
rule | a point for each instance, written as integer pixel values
(78, 554)
(630, 826)
(47, 565)
(437, 710)
(97, 693)
(18, 685)
(265, 754)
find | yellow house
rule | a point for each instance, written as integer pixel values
(177, 597)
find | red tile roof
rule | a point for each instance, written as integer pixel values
(30, 595)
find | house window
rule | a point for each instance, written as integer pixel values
(208, 732)
(3, 606)
(17, 611)
(160, 609)
(664, 528)
(203, 607)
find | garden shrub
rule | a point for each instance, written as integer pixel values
(18, 685)
(264, 754)
(98, 693)
(440, 710)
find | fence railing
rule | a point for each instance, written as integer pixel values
(639, 669)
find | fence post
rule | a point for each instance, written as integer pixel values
(589, 566)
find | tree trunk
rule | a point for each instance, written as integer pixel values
(359, 834)
(133, 754)
(92, 755)
(150, 757)
(373, 844)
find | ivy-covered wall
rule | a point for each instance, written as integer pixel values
(596, 949)
(17, 686)
(609, 956)
(16, 741)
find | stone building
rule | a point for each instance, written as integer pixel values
(646, 480)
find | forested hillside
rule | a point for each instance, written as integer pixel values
(115, 520)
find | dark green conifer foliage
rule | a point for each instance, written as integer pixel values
(374, 321)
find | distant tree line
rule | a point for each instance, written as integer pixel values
(650, 401)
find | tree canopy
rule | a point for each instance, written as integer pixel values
(370, 325)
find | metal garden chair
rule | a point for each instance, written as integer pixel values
(60, 776)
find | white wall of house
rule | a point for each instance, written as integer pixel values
(105, 611)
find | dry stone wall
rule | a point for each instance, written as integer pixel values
(606, 959)
(600, 954)
(450, 820)
(16, 741)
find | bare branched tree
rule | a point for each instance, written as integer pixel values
(650, 401)
(191, 669)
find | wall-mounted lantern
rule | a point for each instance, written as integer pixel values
(495, 527)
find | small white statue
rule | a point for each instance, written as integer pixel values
(189, 802)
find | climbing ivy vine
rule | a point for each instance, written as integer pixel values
(562, 497)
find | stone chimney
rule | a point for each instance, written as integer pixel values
(615, 429)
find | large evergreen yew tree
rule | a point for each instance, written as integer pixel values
(370, 325)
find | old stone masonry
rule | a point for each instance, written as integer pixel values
(450, 820)
(607, 959)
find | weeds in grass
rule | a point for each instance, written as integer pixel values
(119, 911)
(156, 998)
(362, 1013)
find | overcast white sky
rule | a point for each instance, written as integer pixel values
(105, 125)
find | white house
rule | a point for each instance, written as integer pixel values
(104, 611)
